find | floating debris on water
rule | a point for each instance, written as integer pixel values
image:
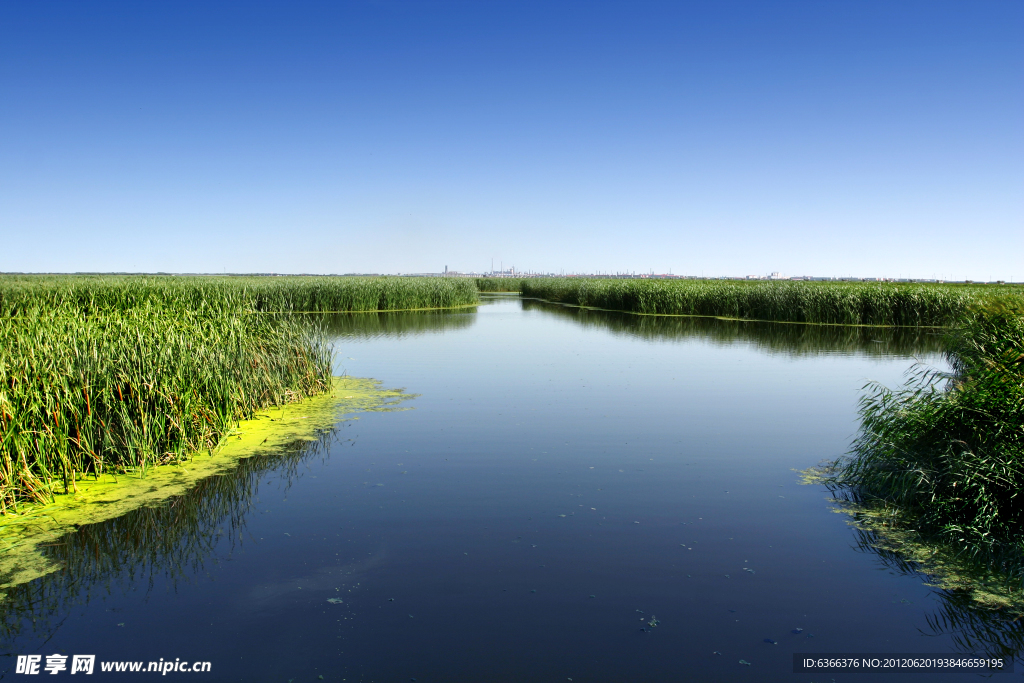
(770, 641)
(653, 622)
(798, 630)
(335, 601)
(744, 662)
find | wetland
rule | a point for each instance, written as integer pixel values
(565, 494)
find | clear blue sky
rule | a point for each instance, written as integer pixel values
(729, 138)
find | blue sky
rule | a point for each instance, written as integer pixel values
(723, 138)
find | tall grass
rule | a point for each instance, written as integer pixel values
(120, 390)
(498, 284)
(946, 451)
(353, 294)
(213, 294)
(845, 303)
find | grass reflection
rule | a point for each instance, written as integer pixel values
(782, 338)
(175, 541)
(395, 324)
(993, 627)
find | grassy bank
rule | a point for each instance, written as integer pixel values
(109, 374)
(944, 454)
(845, 303)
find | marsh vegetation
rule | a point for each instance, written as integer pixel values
(110, 374)
(944, 454)
(836, 303)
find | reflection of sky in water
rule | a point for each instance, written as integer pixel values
(545, 462)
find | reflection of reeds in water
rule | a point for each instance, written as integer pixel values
(994, 627)
(787, 338)
(175, 540)
(394, 324)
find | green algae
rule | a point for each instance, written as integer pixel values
(100, 499)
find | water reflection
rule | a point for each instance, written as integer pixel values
(395, 324)
(174, 541)
(791, 339)
(994, 630)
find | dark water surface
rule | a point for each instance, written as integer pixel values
(563, 479)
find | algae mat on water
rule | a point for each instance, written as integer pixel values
(97, 500)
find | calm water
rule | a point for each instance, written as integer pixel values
(562, 480)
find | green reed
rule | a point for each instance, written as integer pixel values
(122, 390)
(945, 453)
(220, 294)
(844, 303)
(498, 284)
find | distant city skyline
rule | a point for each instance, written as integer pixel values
(848, 138)
(532, 273)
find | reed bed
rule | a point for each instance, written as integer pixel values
(215, 294)
(945, 453)
(352, 294)
(116, 391)
(498, 284)
(843, 303)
